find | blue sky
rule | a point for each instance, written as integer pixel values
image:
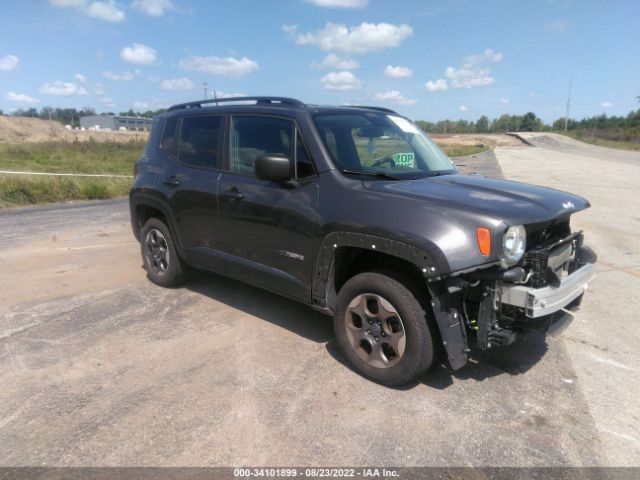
(427, 59)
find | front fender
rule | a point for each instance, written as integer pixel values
(431, 263)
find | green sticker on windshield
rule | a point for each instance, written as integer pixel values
(404, 160)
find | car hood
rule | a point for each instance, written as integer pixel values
(511, 202)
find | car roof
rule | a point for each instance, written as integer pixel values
(263, 105)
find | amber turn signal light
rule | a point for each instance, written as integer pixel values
(484, 240)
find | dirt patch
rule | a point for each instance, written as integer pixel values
(23, 129)
(488, 139)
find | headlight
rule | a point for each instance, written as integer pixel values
(514, 243)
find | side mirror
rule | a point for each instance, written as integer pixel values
(274, 168)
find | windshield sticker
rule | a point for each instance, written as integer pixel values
(405, 125)
(404, 160)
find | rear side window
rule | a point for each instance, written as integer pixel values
(255, 136)
(199, 144)
(169, 143)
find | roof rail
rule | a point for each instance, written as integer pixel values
(258, 100)
(379, 109)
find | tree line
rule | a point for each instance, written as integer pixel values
(613, 128)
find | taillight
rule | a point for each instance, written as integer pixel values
(484, 240)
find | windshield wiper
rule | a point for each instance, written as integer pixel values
(371, 174)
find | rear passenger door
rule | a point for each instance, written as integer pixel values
(268, 228)
(193, 185)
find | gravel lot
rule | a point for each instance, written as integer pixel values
(100, 367)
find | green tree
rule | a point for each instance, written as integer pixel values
(482, 125)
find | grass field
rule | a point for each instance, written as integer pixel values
(65, 157)
(86, 157)
(71, 157)
(462, 150)
(22, 190)
(603, 142)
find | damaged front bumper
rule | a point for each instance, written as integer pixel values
(539, 302)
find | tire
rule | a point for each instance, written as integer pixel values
(161, 261)
(378, 351)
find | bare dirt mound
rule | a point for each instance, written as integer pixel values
(489, 139)
(23, 129)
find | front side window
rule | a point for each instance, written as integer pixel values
(199, 144)
(379, 144)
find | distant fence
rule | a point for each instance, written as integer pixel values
(103, 175)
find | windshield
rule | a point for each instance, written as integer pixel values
(387, 146)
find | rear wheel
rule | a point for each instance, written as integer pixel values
(159, 255)
(382, 329)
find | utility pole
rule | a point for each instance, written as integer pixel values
(566, 115)
(205, 85)
(215, 95)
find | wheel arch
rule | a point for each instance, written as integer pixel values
(143, 207)
(345, 254)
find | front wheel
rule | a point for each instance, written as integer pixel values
(382, 329)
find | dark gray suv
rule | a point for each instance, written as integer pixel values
(355, 212)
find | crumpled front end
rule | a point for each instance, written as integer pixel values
(494, 306)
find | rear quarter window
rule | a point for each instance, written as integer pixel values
(168, 141)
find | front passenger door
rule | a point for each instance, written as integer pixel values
(268, 228)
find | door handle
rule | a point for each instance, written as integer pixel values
(172, 181)
(233, 194)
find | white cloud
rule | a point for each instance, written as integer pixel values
(290, 29)
(488, 56)
(340, 81)
(340, 3)
(108, 102)
(534, 94)
(20, 98)
(394, 96)
(152, 105)
(8, 63)
(336, 61)
(462, 108)
(366, 37)
(473, 73)
(120, 76)
(504, 101)
(606, 104)
(557, 25)
(228, 66)
(139, 54)
(221, 94)
(68, 3)
(153, 8)
(177, 84)
(398, 72)
(469, 77)
(437, 86)
(107, 10)
(62, 89)
(81, 78)
(99, 89)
